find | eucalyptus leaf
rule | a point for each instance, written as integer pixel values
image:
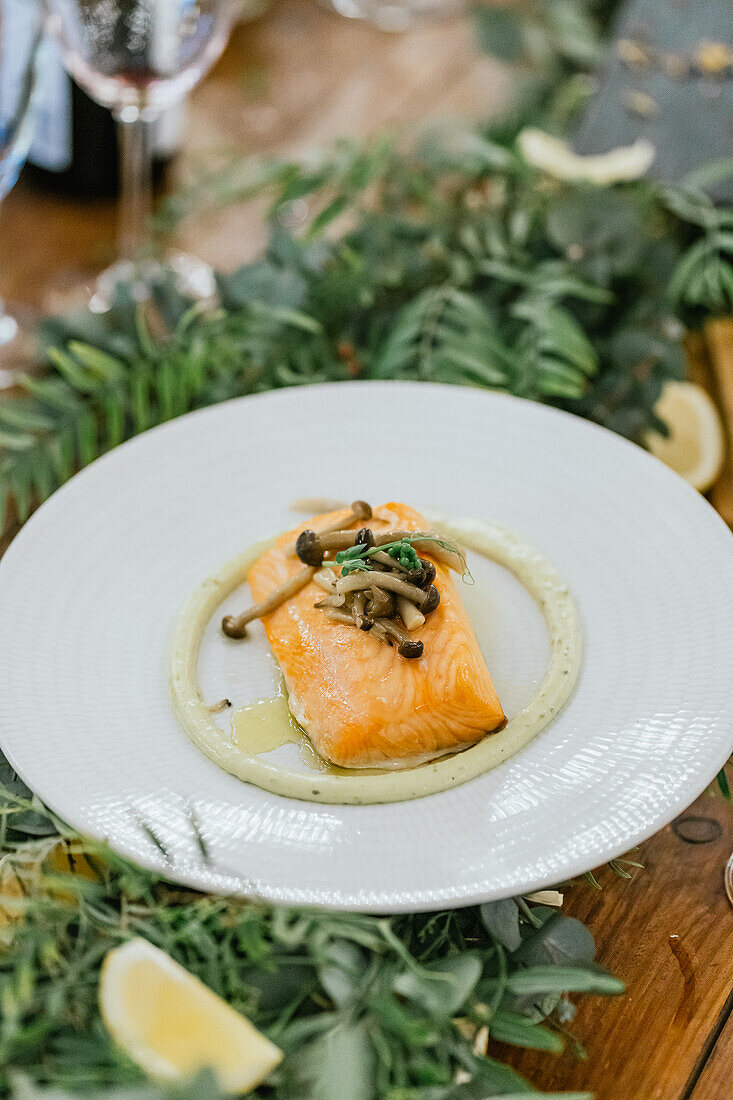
(514, 1028)
(501, 919)
(563, 979)
(339, 1065)
(561, 941)
(442, 987)
(342, 972)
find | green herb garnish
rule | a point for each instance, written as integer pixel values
(351, 559)
(402, 550)
(404, 553)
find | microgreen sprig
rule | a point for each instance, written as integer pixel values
(402, 550)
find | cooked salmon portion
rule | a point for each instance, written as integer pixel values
(361, 703)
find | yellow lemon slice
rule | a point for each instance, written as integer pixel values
(555, 157)
(172, 1025)
(695, 447)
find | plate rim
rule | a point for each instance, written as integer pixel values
(441, 897)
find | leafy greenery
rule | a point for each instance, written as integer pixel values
(453, 261)
(554, 46)
(373, 1006)
(357, 557)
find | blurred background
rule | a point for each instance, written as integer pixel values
(294, 76)
(298, 74)
(565, 164)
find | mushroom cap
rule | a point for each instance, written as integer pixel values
(364, 537)
(308, 548)
(432, 599)
(382, 604)
(361, 509)
(429, 571)
(231, 628)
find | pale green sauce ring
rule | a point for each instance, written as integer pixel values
(500, 545)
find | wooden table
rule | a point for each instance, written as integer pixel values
(295, 79)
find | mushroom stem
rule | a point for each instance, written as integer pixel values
(360, 510)
(236, 626)
(382, 605)
(326, 580)
(366, 578)
(383, 558)
(334, 600)
(339, 540)
(358, 606)
(411, 617)
(339, 616)
(407, 647)
(380, 633)
(311, 546)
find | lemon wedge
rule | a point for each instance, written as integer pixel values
(555, 157)
(695, 447)
(172, 1025)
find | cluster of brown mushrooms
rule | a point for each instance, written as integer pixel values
(384, 597)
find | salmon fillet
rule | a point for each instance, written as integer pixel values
(360, 702)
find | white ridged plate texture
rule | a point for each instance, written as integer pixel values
(90, 588)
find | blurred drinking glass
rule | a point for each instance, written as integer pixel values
(139, 58)
(20, 41)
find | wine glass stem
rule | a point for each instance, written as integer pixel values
(137, 186)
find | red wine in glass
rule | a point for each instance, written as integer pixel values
(139, 58)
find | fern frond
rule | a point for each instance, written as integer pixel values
(447, 335)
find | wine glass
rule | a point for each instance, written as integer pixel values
(21, 32)
(139, 58)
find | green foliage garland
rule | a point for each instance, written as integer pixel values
(451, 262)
(364, 1007)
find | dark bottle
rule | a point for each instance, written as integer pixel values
(74, 150)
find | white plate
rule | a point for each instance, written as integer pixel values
(90, 588)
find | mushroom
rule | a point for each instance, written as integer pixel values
(335, 600)
(339, 616)
(312, 546)
(358, 608)
(383, 558)
(411, 617)
(359, 510)
(217, 708)
(345, 617)
(381, 634)
(432, 599)
(407, 647)
(374, 578)
(364, 537)
(236, 626)
(429, 570)
(326, 580)
(381, 604)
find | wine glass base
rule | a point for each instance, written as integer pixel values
(193, 278)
